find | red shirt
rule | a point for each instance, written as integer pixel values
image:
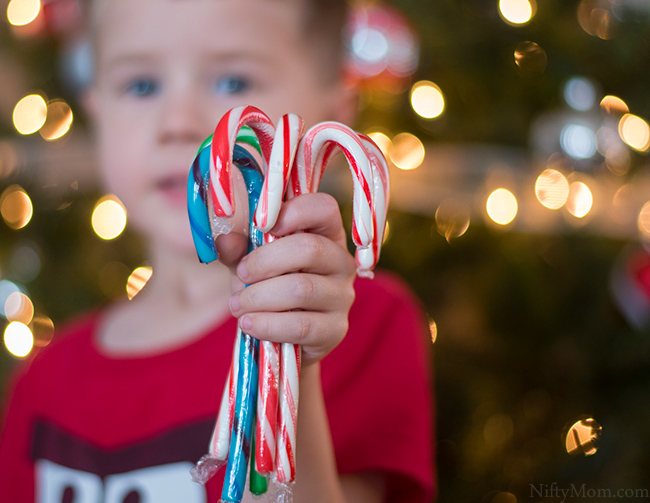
(82, 426)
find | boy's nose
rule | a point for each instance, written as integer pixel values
(182, 120)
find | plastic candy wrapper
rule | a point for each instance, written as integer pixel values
(256, 426)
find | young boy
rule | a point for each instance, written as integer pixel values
(123, 403)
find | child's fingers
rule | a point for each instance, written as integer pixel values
(317, 213)
(318, 333)
(310, 292)
(304, 252)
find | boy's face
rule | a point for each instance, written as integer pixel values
(167, 70)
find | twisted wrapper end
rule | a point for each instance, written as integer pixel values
(205, 468)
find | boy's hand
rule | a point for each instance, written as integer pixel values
(309, 307)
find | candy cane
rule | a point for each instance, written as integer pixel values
(198, 212)
(285, 144)
(197, 204)
(247, 379)
(370, 256)
(314, 152)
(223, 143)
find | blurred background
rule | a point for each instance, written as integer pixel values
(518, 138)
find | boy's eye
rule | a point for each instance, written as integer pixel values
(232, 85)
(142, 87)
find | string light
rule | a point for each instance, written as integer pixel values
(635, 132)
(382, 140)
(580, 199)
(407, 151)
(583, 437)
(502, 206)
(16, 207)
(109, 217)
(58, 120)
(517, 12)
(22, 12)
(18, 339)
(552, 189)
(427, 99)
(137, 279)
(29, 114)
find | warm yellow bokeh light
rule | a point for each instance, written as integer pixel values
(383, 142)
(644, 221)
(407, 151)
(635, 132)
(43, 330)
(580, 200)
(517, 12)
(19, 307)
(427, 99)
(583, 437)
(22, 12)
(58, 121)
(502, 206)
(18, 339)
(109, 217)
(552, 189)
(433, 329)
(452, 219)
(16, 207)
(30, 114)
(614, 105)
(137, 279)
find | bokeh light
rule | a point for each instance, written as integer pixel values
(58, 120)
(452, 219)
(382, 140)
(614, 105)
(16, 207)
(6, 289)
(635, 132)
(42, 330)
(580, 199)
(22, 12)
(433, 329)
(580, 94)
(578, 141)
(596, 20)
(137, 279)
(552, 189)
(109, 217)
(18, 339)
(407, 151)
(530, 57)
(502, 206)
(427, 99)
(19, 307)
(29, 114)
(517, 12)
(644, 221)
(583, 437)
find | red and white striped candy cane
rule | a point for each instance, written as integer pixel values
(220, 441)
(287, 136)
(285, 144)
(370, 256)
(314, 152)
(223, 143)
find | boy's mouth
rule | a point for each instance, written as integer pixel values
(173, 188)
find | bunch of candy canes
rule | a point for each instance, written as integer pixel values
(263, 378)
